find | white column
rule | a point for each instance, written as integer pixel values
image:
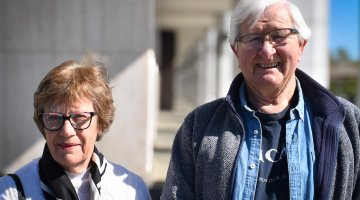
(315, 61)
(207, 82)
(227, 61)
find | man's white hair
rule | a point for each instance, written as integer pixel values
(253, 9)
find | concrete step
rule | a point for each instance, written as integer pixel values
(164, 141)
(168, 124)
(160, 166)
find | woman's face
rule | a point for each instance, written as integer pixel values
(69, 147)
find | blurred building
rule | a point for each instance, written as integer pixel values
(164, 58)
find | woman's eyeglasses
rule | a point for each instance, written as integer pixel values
(55, 121)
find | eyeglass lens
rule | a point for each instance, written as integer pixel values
(54, 121)
(278, 37)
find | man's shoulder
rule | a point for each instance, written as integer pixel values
(347, 104)
(351, 110)
(209, 107)
(214, 115)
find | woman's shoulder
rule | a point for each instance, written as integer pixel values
(127, 182)
(25, 172)
(28, 176)
(123, 173)
(31, 167)
(7, 187)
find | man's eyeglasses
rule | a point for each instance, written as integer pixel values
(55, 121)
(256, 41)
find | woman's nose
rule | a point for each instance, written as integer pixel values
(67, 129)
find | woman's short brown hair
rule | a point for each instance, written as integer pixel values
(72, 81)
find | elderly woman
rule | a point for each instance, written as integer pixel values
(73, 108)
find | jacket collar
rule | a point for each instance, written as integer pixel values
(321, 100)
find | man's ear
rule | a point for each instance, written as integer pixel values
(234, 48)
(302, 45)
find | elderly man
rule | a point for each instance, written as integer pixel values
(278, 134)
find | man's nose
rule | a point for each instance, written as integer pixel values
(267, 49)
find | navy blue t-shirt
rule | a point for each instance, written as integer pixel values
(273, 179)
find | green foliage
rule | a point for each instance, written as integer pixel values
(345, 86)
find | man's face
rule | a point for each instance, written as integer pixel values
(270, 66)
